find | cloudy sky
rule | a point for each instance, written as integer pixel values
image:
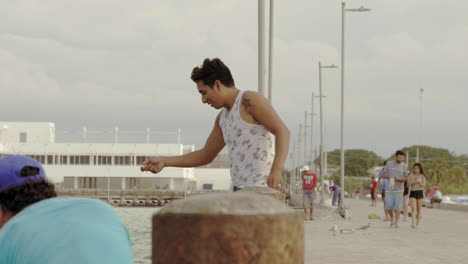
(102, 64)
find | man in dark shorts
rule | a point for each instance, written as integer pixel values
(405, 203)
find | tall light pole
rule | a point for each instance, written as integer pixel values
(321, 125)
(270, 54)
(261, 48)
(299, 146)
(305, 137)
(312, 132)
(342, 163)
(312, 155)
(420, 122)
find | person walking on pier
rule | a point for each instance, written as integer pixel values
(396, 172)
(336, 200)
(309, 182)
(373, 190)
(416, 182)
(383, 186)
(256, 137)
(37, 227)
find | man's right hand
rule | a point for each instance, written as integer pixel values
(153, 164)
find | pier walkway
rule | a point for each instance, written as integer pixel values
(441, 238)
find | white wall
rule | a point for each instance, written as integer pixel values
(220, 178)
(93, 148)
(56, 172)
(37, 132)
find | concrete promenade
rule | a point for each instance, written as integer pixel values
(442, 237)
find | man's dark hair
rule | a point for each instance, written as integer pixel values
(212, 70)
(15, 198)
(399, 152)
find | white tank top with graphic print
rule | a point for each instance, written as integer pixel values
(250, 147)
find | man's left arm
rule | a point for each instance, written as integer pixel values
(260, 109)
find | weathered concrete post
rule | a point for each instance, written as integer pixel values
(265, 191)
(232, 228)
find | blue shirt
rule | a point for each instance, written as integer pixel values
(65, 230)
(384, 181)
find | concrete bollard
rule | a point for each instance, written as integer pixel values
(232, 228)
(265, 191)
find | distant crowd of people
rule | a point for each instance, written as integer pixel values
(400, 190)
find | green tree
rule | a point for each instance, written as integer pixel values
(441, 167)
(357, 161)
(426, 153)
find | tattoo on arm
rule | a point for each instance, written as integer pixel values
(246, 103)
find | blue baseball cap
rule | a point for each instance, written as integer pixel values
(17, 170)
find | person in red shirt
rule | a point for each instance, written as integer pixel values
(309, 181)
(373, 189)
(357, 193)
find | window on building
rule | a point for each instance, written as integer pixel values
(132, 183)
(104, 160)
(39, 158)
(50, 159)
(207, 186)
(88, 182)
(84, 160)
(23, 137)
(122, 160)
(63, 160)
(140, 160)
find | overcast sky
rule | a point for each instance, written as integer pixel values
(110, 63)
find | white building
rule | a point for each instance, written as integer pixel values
(31, 132)
(104, 165)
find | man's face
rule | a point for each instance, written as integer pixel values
(400, 158)
(209, 95)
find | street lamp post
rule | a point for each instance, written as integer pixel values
(420, 122)
(261, 49)
(342, 158)
(312, 165)
(321, 125)
(270, 54)
(305, 137)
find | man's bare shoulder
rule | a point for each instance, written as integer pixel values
(251, 98)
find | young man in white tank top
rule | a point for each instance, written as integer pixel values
(256, 137)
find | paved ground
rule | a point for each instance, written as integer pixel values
(441, 238)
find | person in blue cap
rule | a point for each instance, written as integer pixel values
(37, 227)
